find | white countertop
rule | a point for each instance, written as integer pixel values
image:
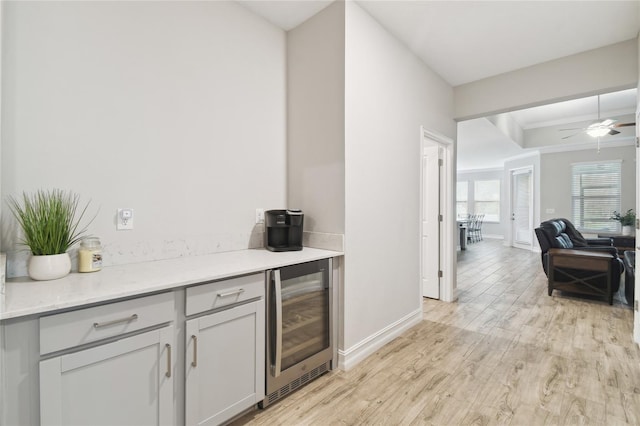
(24, 296)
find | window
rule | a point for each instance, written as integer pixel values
(595, 189)
(487, 199)
(462, 194)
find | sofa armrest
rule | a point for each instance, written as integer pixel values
(605, 241)
(590, 260)
(602, 249)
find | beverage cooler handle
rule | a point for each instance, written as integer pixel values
(277, 283)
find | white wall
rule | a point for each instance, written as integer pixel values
(489, 229)
(602, 70)
(174, 109)
(555, 181)
(389, 93)
(315, 95)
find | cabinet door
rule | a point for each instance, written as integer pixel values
(224, 363)
(126, 382)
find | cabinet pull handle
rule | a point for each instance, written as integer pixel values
(194, 363)
(168, 373)
(117, 321)
(276, 367)
(231, 293)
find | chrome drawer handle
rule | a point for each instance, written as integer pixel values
(118, 321)
(194, 363)
(231, 293)
(168, 373)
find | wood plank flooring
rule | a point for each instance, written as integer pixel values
(506, 353)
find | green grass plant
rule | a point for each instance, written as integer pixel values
(48, 220)
(626, 219)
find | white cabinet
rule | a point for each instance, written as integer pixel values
(224, 362)
(110, 367)
(126, 382)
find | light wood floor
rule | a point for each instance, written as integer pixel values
(505, 353)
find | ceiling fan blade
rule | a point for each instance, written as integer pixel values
(606, 123)
(570, 136)
(613, 132)
(623, 124)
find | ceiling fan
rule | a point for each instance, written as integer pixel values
(600, 128)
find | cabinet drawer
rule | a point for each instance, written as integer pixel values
(215, 295)
(69, 329)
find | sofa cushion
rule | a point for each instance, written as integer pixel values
(576, 237)
(563, 241)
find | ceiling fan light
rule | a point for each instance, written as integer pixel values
(598, 131)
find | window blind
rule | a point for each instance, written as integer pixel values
(596, 195)
(487, 199)
(462, 194)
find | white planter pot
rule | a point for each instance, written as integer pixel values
(627, 230)
(49, 267)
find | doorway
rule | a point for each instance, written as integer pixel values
(522, 208)
(437, 224)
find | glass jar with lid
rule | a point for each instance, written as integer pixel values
(90, 255)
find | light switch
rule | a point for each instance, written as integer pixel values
(551, 211)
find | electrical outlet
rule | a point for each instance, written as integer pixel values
(259, 215)
(124, 219)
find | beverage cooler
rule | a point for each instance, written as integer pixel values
(299, 326)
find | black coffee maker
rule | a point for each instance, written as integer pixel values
(283, 230)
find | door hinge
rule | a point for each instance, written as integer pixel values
(637, 223)
(637, 142)
(635, 305)
(440, 162)
(440, 218)
(440, 276)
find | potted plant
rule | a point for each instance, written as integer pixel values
(50, 222)
(627, 221)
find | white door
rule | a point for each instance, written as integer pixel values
(126, 382)
(224, 364)
(522, 208)
(430, 267)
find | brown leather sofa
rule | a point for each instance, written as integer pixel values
(574, 264)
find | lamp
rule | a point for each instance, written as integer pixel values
(597, 130)
(600, 128)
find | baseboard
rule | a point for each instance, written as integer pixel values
(347, 359)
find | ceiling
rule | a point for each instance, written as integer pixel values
(465, 41)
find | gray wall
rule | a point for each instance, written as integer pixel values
(555, 181)
(315, 119)
(607, 69)
(390, 93)
(354, 145)
(174, 109)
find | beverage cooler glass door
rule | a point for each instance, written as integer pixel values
(299, 321)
